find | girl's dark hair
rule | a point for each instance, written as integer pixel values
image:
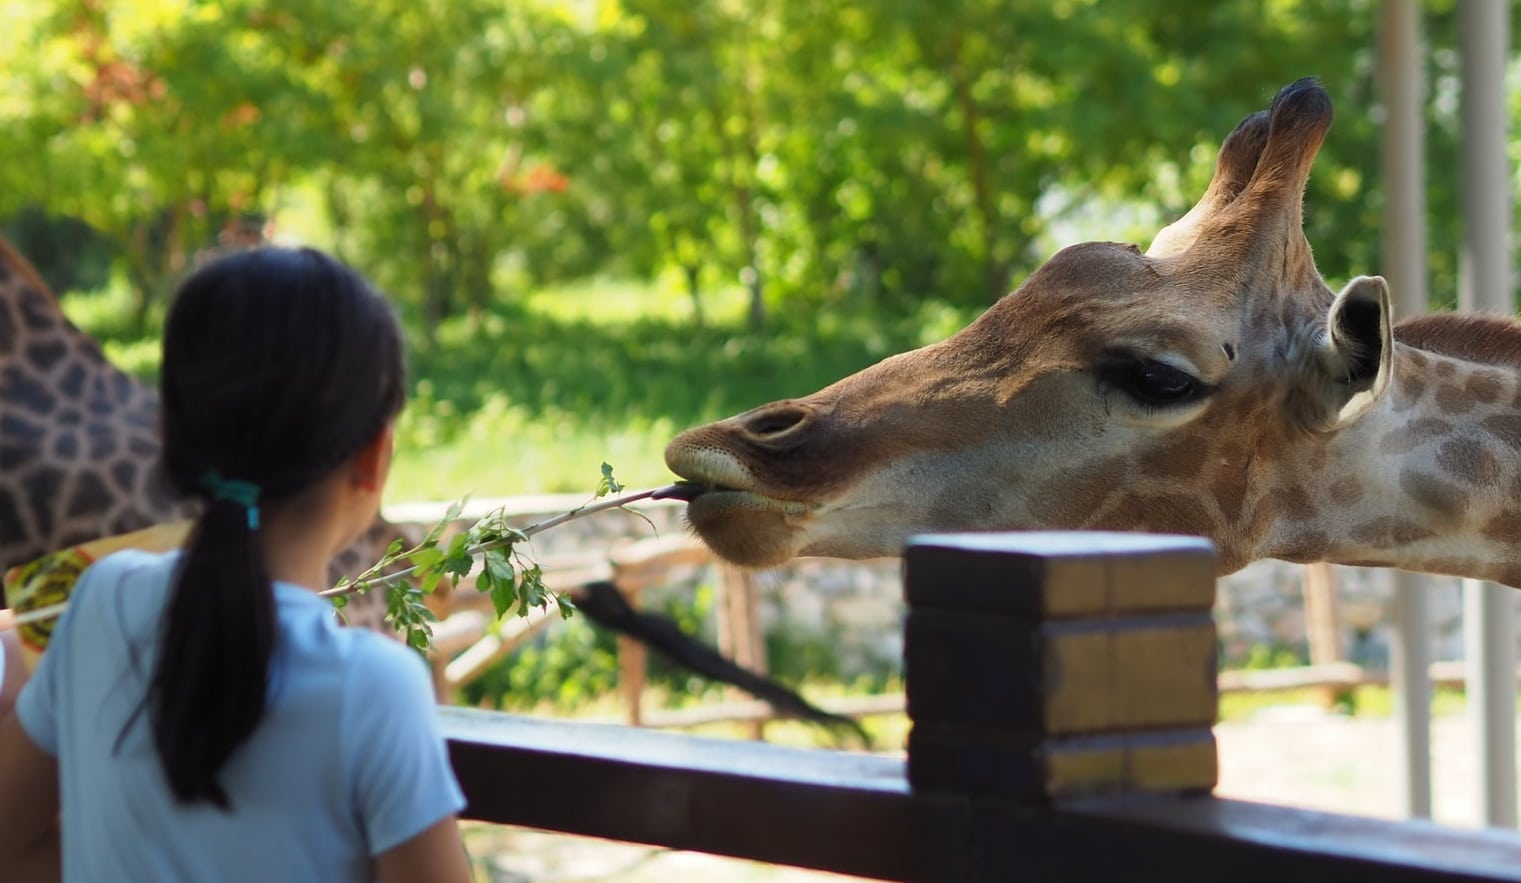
(279, 365)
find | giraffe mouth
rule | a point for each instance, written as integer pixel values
(687, 491)
(702, 496)
(743, 527)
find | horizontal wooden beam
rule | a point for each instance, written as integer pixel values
(1336, 674)
(1443, 672)
(752, 800)
(756, 710)
(854, 814)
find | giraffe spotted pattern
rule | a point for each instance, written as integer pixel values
(79, 449)
(1213, 385)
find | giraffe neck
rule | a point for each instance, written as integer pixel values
(78, 438)
(79, 444)
(38, 343)
(1430, 479)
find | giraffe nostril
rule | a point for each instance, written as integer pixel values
(773, 423)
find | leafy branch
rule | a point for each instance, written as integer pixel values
(507, 575)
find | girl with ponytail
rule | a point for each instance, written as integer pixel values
(201, 715)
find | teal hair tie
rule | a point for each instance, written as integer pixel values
(243, 492)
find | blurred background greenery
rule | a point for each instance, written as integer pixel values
(606, 220)
(610, 219)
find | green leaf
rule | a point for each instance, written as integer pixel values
(531, 591)
(430, 558)
(458, 561)
(500, 566)
(608, 484)
(502, 596)
(451, 515)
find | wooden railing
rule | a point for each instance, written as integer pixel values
(1062, 689)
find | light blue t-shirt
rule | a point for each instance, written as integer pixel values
(346, 763)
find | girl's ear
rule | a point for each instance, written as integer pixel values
(373, 463)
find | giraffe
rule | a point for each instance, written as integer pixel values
(1213, 385)
(79, 460)
(79, 440)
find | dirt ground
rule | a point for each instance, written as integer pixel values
(1294, 756)
(1307, 758)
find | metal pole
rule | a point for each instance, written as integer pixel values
(1404, 258)
(1484, 284)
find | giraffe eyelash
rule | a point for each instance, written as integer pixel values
(1151, 383)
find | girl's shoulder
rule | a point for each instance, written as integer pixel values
(385, 683)
(138, 561)
(130, 579)
(385, 661)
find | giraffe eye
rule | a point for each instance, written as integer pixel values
(1153, 383)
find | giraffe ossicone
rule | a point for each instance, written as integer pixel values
(1213, 385)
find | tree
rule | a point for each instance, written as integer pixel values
(847, 155)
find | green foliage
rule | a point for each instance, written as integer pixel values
(1275, 655)
(859, 177)
(840, 155)
(510, 403)
(506, 575)
(569, 667)
(519, 401)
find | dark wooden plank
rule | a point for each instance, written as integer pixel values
(854, 814)
(1273, 844)
(833, 811)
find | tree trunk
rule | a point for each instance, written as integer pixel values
(153, 251)
(745, 195)
(440, 265)
(977, 168)
(752, 279)
(694, 273)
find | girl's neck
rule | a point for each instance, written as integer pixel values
(300, 536)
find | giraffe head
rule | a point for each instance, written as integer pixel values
(1114, 389)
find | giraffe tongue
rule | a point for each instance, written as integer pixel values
(686, 491)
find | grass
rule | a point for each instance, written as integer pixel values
(1368, 701)
(533, 396)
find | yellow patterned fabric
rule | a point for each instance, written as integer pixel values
(44, 584)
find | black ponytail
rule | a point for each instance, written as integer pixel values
(220, 618)
(279, 365)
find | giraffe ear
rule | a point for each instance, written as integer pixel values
(1354, 355)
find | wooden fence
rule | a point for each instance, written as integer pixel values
(1062, 688)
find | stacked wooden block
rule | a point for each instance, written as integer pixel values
(1043, 666)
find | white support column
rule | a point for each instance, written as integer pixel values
(1484, 284)
(1402, 83)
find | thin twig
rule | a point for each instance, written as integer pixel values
(588, 509)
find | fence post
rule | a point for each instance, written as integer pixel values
(1043, 666)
